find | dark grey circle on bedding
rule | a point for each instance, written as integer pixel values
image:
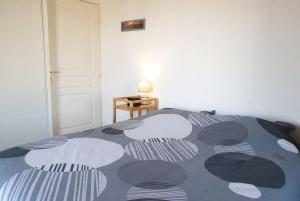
(154, 185)
(223, 133)
(112, 131)
(152, 174)
(274, 129)
(13, 152)
(242, 168)
(168, 194)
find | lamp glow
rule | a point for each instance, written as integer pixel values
(145, 87)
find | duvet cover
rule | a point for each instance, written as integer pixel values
(169, 155)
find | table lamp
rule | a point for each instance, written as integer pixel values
(145, 87)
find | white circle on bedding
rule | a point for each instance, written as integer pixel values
(246, 190)
(161, 126)
(90, 152)
(287, 146)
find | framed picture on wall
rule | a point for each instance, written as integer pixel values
(133, 25)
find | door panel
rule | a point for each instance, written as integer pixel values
(73, 35)
(79, 104)
(74, 60)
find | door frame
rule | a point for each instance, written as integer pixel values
(47, 68)
(44, 11)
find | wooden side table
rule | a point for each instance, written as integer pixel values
(121, 103)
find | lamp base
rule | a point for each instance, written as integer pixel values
(144, 96)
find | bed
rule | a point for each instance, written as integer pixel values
(169, 155)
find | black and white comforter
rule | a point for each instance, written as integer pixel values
(171, 155)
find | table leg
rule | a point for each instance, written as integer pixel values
(156, 104)
(131, 114)
(114, 112)
(140, 114)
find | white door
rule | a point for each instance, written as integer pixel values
(75, 65)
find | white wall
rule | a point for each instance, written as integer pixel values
(23, 116)
(238, 57)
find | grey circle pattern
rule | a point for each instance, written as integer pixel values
(173, 151)
(112, 131)
(53, 185)
(169, 194)
(273, 129)
(279, 157)
(127, 125)
(164, 139)
(13, 152)
(47, 143)
(148, 199)
(242, 168)
(243, 147)
(205, 119)
(223, 133)
(64, 167)
(155, 175)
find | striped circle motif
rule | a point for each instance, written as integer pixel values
(75, 151)
(244, 148)
(161, 126)
(64, 167)
(204, 120)
(169, 194)
(158, 149)
(159, 139)
(34, 184)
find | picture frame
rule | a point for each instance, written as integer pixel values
(133, 25)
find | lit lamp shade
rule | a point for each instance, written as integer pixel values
(145, 87)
